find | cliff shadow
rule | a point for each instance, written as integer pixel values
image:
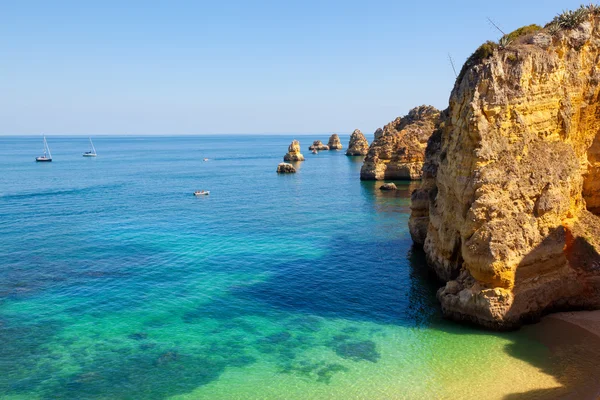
(574, 351)
(395, 290)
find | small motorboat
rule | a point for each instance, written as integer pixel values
(206, 159)
(201, 193)
(315, 151)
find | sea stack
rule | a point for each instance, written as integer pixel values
(293, 153)
(378, 133)
(399, 151)
(334, 142)
(285, 168)
(509, 208)
(318, 145)
(358, 145)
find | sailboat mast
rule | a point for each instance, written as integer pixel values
(47, 148)
(92, 143)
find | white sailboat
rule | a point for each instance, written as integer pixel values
(47, 157)
(92, 152)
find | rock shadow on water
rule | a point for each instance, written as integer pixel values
(339, 285)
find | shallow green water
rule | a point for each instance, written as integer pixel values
(117, 283)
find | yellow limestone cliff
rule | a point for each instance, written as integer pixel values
(398, 151)
(508, 209)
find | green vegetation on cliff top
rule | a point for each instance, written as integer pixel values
(568, 19)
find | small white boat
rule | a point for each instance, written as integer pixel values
(92, 152)
(206, 159)
(201, 193)
(47, 157)
(315, 151)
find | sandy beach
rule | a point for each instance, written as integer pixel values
(574, 340)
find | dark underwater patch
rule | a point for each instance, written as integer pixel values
(365, 350)
(138, 336)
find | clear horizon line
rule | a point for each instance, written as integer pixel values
(178, 134)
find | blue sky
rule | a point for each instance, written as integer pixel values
(196, 67)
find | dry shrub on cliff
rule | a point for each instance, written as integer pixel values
(519, 33)
(569, 19)
(484, 51)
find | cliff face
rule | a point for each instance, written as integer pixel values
(334, 142)
(358, 145)
(293, 153)
(508, 208)
(399, 151)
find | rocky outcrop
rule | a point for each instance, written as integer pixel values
(318, 145)
(293, 153)
(334, 142)
(378, 133)
(507, 211)
(285, 168)
(399, 152)
(358, 145)
(388, 186)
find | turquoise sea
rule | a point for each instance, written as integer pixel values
(117, 283)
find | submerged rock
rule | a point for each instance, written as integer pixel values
(365, 350)
(285, 168)
(508, 211)
(293, 153)
(388, 186)
(358, 145)
(399, 152)
(318, 145)
(334, 142)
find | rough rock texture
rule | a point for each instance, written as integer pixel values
(399, 152)
(318, 145)
(285, 168)
(334, 142)
(388, 186)
(293, 153)
(378, 133)
(508, 208)
(358, 145)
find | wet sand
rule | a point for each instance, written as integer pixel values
(574, 341)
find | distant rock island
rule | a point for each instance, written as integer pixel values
(293, 153)
(398, 152)
(358, 145)
(334, 142)
(285, 168)
(318, 145)
(508, 212)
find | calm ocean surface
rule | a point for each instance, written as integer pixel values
(117, 283)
